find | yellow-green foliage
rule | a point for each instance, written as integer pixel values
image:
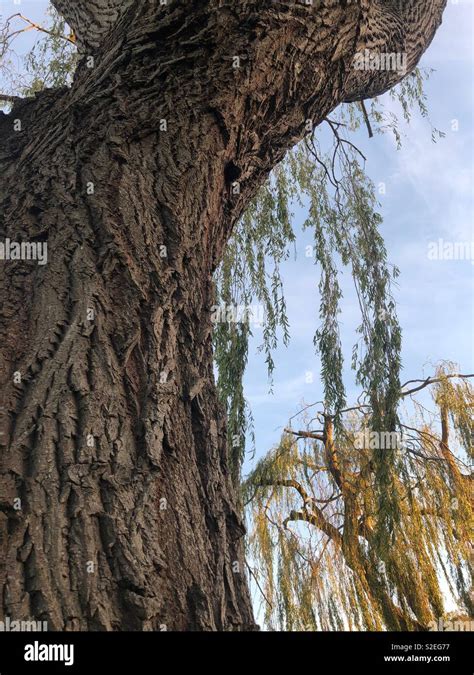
(317, 578)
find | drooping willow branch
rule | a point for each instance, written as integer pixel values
(326, 484)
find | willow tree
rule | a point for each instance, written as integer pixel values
(314, 509)
(116, 492)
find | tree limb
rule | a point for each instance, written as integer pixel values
(315, 516)
(305, 434)
(317, 519)
(430, 380)
(91, 21)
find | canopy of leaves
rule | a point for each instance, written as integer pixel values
(314, 512)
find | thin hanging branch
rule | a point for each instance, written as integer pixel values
(258, 585)
(366, 119)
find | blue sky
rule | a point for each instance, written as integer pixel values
(429, 196)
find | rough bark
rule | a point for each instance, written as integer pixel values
(114, 440)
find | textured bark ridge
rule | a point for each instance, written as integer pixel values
(116, 505)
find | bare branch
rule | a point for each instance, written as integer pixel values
(366, 119)
(317, 519)
(431, 380)
(306, 434)
(258, 584)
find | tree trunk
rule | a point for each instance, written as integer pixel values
(116, 442)
(117, 508)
